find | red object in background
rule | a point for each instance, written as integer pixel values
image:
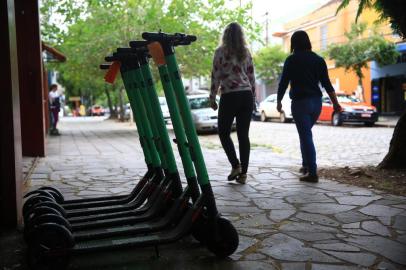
(353, 111)
(97, 110)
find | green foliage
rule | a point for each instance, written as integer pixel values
(92, 29)
(357, 52)
(392, 10)
(269, 62)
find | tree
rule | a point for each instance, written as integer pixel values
(268, 63)
(94, 29)
(388, 10)
(392, 10)
(357, 52)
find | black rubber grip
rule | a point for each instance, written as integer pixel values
(105, 66)
(138, 43)
(110, 58)
(173, 38)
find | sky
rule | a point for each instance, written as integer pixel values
(279, 12)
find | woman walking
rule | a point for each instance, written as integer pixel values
(304, 70)
(233, 73)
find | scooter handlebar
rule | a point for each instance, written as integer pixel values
(105, 66)
(175, 39)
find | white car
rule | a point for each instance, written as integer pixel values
(164, 109)
(267, 109)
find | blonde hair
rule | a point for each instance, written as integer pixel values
(233, 42)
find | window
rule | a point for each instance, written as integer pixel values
(323, 37)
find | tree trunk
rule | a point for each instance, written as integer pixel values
(110, 103)
(396, 157)
(360, 76)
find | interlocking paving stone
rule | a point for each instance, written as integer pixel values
(283, 247)
(316, 266)
(351, 217)
(336, 247)
(311, 236)
(400, 223)
(306, 227)
(376, 228)
(314, 218)
(390, 249)
(279, 215)
(364, 259)
(320, 219)
(380, 210)
(326, 208)
(357, 200)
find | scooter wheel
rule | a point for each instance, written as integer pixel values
(30, 228)
(225, 240)
(53, 205)
(37, 211)
(30, 202)
(49, 247)
(55, 192)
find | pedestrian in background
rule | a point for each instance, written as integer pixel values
(54, 108)
(305, 70)
(233, 74)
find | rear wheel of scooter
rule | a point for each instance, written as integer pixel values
(29, 204)
(38, 211)
(225, 240)
(29, 229)
(55, 192)
(49, 247)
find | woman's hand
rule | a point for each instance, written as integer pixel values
(337, 107)
(213, 103)
(279, 106)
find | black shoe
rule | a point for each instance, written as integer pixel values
(234, 173)
(311, 178)
(303, 170)
(242, 178)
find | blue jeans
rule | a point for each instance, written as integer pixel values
(305, 112)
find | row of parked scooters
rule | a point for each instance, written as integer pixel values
(159, 209)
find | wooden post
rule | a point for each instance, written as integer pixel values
(10, 135)
(30, 78)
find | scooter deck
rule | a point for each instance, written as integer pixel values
(171, 218)
(145, 193)
(108, 201)
(167, 236)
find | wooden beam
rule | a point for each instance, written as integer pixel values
(10, 135)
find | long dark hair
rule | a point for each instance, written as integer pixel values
(300, 42)
(233, 42)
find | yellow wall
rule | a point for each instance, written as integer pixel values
(336, 28)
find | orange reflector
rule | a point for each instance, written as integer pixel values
(111, 74)
(155, 49)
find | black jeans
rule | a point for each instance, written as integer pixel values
(238, 105)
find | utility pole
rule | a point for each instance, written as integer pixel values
(266, 28)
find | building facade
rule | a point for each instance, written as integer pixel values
(325, 27)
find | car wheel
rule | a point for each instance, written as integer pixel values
(282, 117)
(369, 124)
(263, 117)
(336, 120)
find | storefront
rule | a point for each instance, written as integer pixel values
(389, 85)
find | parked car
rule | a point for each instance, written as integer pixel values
(256, 114)
(353, 111)
(204, 117)
(267, 109)
(164, 109)
(97, 110)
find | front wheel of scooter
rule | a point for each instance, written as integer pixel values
(225, 240)
(49, 248)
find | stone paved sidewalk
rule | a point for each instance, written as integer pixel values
(282, 223)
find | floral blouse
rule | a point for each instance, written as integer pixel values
(231, 76)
